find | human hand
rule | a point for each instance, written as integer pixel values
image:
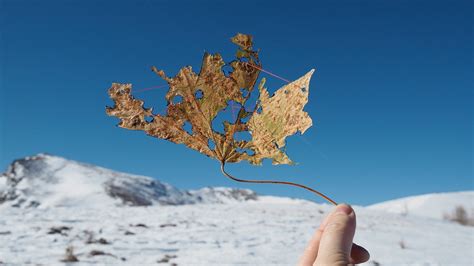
(332, 242)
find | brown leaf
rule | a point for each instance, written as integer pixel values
(244, 41)
(199, 98)
(282, 115)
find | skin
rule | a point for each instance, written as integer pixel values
(332, 242)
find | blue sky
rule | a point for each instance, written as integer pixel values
(391, 99)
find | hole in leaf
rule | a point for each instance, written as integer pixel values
(188, 127)
(245, 119)
(177, 99)
(149, 119)
(227, 69)
(233, 107)
(244, 92)
(242, 135)
(211, 144)
(199, 94)
(218, 124)
(229, 115)
(248, 151)
(259, 110)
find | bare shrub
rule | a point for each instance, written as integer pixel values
(92, 240)
(69, 256)
(460, 216)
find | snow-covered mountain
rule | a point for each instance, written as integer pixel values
(435, 205)
(57, 211)
(50, 181)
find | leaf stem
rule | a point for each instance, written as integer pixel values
(275, 182)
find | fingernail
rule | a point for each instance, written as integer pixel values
(344, 208)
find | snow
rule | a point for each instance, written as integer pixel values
(223, 195)
(251, 233)
(3, 183)
(211, 226)
(436, 205)
(47, 181)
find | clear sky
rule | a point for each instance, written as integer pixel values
(391, 99)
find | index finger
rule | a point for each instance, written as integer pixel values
(311, 251)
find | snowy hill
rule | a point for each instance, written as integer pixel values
(50, 181)
(67, 211)
(436, 205)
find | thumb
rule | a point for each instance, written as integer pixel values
(336, 241)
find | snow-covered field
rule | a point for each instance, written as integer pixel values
(436, 205)
(225, 229)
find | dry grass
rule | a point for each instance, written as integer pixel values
(69, 256)
(460, 216)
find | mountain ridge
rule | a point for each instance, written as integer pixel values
(45, 180)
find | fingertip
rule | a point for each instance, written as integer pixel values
(344, 208)
(338, 233)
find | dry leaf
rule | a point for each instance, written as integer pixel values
(282, 115)
(199, 98)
